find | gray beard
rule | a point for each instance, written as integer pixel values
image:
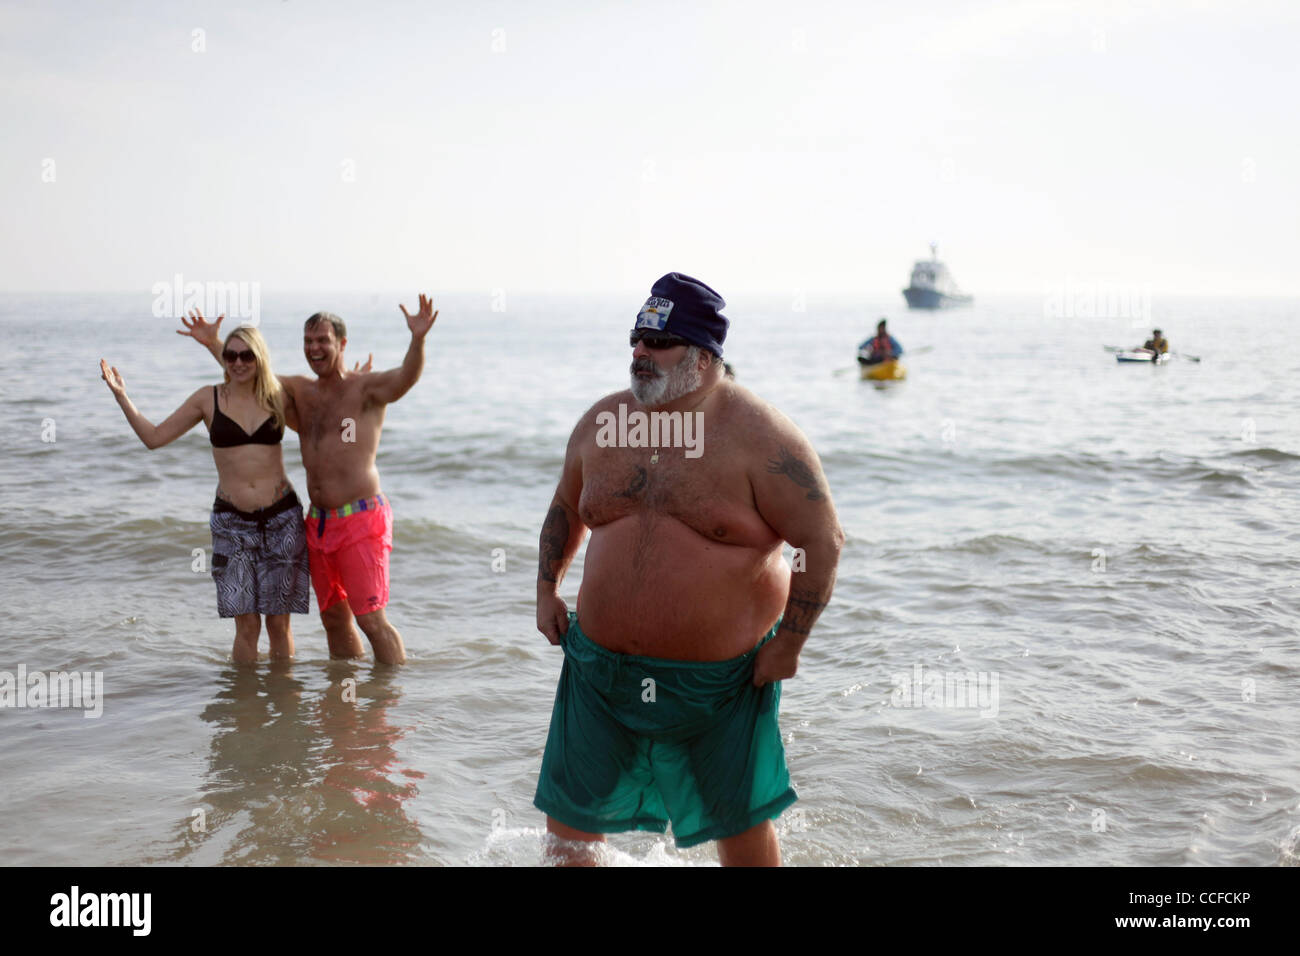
(682, 379)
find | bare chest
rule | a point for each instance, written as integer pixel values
(709, 494)
(329, 416)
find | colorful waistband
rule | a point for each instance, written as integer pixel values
(351, 508)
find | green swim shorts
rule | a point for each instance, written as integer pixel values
(638, 741)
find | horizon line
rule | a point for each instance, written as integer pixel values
(750, 292)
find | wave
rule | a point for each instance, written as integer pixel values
(1290, 848)
(1213, 476)
(1264, 454)
(993, 544)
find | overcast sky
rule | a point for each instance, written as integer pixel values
(593, 146)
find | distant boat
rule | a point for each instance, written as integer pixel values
(932, 285)
(1143, 355)
(888, 370)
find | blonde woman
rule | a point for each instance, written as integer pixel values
(259, 548)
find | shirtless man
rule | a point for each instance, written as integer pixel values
(350, 523)
(667, 704)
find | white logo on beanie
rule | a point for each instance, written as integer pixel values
(654, 314)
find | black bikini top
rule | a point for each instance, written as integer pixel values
(226, 433)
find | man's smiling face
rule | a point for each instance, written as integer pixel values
(321, 348)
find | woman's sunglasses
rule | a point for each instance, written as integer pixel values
(655, 340)
(231, 356)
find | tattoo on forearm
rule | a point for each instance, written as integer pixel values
(796, 471)
(802, 610)
(555, 535)
(635, 485)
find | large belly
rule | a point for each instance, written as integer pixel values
(654, 587)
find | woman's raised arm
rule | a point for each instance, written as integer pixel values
(154, 436)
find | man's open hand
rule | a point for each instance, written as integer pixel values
(422, 321)
(202, 331)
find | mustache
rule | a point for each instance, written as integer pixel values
(645, 365)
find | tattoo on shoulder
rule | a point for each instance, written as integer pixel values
(797, 471)
(636, 484)
(555, 535)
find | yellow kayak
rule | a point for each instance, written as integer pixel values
(884, 371)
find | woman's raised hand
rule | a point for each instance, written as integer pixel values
(113, 377)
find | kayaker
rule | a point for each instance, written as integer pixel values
(1157, 344)
(882, 348)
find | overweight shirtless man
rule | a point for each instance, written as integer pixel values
(688, 615)
(340, 416)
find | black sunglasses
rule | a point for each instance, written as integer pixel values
(232, 356)
(655, 340)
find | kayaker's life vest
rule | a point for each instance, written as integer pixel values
(1157, 345)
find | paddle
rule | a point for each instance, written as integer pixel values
(852, 368)
(1181, 355)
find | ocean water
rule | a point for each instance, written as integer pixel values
(1108, 555)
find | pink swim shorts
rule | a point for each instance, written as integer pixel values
(348, 552)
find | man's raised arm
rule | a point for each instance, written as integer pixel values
(389, 386)
(562, 534)
(207, 334)
(792, 496)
